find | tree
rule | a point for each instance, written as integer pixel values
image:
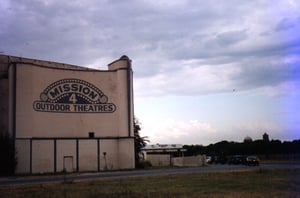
(247, 139)
(266, 142)
(139, 142)
(7, 154)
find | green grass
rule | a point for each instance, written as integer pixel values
(259, 183)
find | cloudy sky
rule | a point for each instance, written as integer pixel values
(204, 71)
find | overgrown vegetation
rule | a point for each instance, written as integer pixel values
(254, 183)
(139, 143)
(143, 164)
(7, 154)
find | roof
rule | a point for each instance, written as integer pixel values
(7, 59)
(162, 146)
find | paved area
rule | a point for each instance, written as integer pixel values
(24, 180)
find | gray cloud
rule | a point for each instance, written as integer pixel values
(284, 24)
(266, 73)
(164, 39)
(231, 37)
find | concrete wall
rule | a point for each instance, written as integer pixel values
(88, 158)
(66, 149)
(159, 159)
(23, 154)
(167, 160)
(126, 160)
(32, 81)
(109, 158)
(71, 155)
(199, 160)
(42, 156)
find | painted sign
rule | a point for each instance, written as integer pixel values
(73, 96)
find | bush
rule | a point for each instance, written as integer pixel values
(7, 155)
(143, 164)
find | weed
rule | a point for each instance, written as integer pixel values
(256, 183)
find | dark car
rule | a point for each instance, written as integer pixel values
(252, 161)
(236, 159)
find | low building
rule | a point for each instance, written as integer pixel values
(162, 154)
(66, 117)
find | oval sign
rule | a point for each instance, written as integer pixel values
(73, 96)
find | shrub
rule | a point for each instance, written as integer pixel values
(143, 164)
(7, 155)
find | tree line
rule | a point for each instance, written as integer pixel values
(263, 148)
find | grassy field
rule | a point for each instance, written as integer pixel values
(258, 183)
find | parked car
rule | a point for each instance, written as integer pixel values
(222, 159)
(252, 160)
(236, 159)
